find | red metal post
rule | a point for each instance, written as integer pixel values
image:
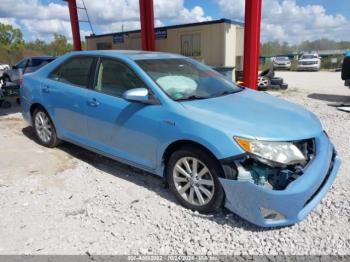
(73, 13)
(251, 43)
(147, 25)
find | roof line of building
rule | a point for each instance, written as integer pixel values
(223, 20)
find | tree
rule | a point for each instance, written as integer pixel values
(10, 38)
(59, 45)
(276, 48)
(37, 45)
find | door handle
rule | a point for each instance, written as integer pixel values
(46, 89)
(93, 102)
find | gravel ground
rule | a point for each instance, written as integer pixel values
(70, 201)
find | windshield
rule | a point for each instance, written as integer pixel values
(185, 79)
(282, 58)
(308, 57)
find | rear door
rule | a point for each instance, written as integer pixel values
(64, 92)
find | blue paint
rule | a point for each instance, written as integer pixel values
(138, 134)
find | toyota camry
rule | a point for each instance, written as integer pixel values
(216, 144)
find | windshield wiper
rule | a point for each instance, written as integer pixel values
(196, 97)
(192, 97)
(228, 92)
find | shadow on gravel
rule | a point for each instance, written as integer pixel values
(147, 180)
(330, 98)
(15, 108)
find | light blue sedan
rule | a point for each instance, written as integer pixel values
(216, 144)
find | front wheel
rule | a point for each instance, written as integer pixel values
(44, 129)
(193, 178)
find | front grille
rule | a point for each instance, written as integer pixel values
(308, 63)
(329, 172)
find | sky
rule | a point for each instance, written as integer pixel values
(291, 21)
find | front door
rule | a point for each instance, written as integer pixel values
(115, 126)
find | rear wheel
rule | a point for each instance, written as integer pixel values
(44, 128)
(193, 178)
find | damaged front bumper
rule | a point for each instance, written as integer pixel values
(270, 208)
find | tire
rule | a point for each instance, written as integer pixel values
(276, 81)
(44, 129)
(284, 86)
(203, 193)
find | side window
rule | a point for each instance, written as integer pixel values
(76, 71)
(22, 64)
(114, 78)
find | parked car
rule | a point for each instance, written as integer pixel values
(309, 62)
(3, 67)
(27, 65)
(282, 62)
(265, 159)
(346, 69)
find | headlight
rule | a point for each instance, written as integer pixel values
(281, 152)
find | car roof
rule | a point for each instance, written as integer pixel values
(41, 57)
(131, 54)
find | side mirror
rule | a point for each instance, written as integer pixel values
(14, 67)
(140, 95)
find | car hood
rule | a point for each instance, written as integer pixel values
(256, 115)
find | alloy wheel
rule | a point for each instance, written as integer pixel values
(43, 127)
(193, 181)
(263, 81)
